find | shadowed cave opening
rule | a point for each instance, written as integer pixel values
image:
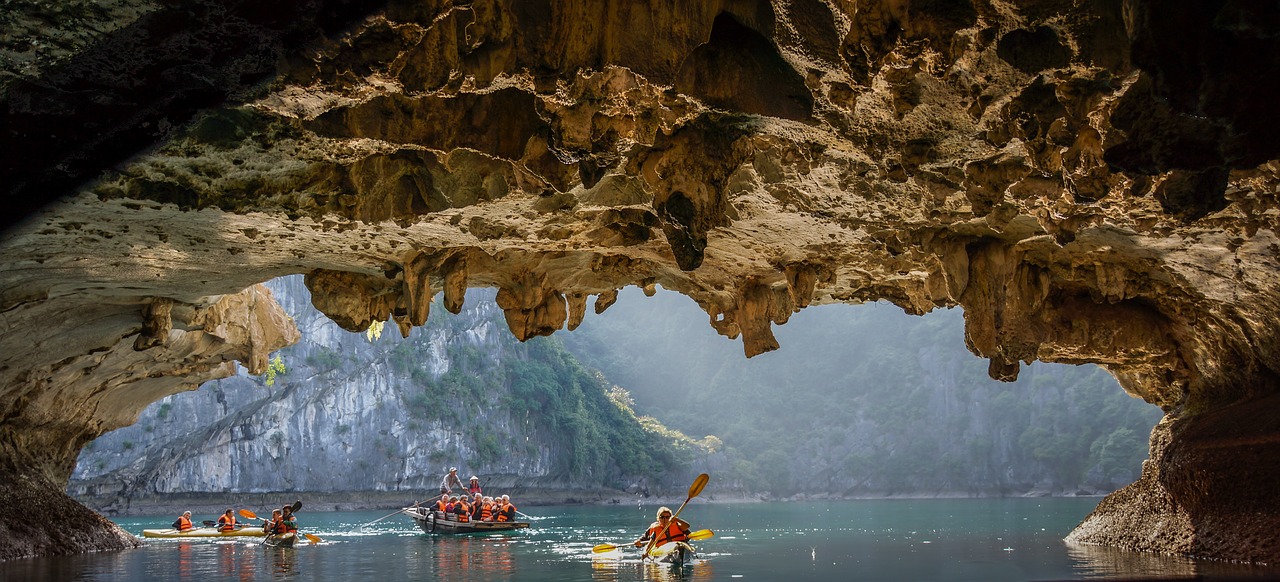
(860, 401)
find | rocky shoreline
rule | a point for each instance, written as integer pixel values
(214, 503)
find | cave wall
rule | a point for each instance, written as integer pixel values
(1092, 180)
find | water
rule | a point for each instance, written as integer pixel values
(936, 540)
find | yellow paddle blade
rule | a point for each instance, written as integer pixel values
(312, 538)
(698, 484)
(248, 514)
(701, 534)
(602, 548)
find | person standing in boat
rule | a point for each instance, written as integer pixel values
(665, 530)
(474, 486)
(183, 523)
(450, 479)
(227, 522)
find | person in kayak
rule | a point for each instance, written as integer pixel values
(183, 523)
(450, 479)
(287, 522)
(272, 525)
(665, 530)
(227, 522)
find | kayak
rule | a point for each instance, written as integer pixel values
(285, 540)
(677, 554)
(203, 532)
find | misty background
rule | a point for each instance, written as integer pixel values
(859, 401)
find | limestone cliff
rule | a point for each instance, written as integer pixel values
(357, 417)
(1092, 180)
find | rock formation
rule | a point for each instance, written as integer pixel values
(1093, 181)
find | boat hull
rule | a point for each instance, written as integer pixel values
(675, 554)
(281, 541)
(435, 522)
(204, 532)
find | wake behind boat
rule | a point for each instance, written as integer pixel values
(439, 522)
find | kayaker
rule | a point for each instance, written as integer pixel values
(450, 479)
(665, 529)
(183, 523)
(474, 486)
(287, 522)
(272, 525)
(227, 521)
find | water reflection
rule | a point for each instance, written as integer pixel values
(470, 557)
(1105, 562)
(281, 560)
(618, 567)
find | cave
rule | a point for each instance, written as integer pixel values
(1093, 182)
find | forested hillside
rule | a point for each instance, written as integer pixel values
(866, 400)
(347, 414)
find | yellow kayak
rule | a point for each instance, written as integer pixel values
(203, 532)
(677, 554)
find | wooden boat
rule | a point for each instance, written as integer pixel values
(284, 540)
(438, 522)
(204, 532)
(676, 554)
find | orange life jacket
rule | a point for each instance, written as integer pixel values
(226, 523)
(442, 505)
(486, 511)
(506, 511)
(673, 533)
(184, 524)
(463, 511)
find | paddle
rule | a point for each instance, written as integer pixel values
(389, 515)
(209, 523)
(295, 507)
(698, 484)
(701, 534)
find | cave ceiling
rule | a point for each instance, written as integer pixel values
(1092, 181)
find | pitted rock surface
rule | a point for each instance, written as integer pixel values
(1092, 181)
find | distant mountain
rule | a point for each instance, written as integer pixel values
(866, 400)
(354, 416)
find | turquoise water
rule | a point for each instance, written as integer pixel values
(969, 539)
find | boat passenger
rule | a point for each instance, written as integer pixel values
(506, 511)
(474, 487)
(462, 510)
(665, 530)
(183, 523)
(483, 509)
(442, 504)
(227, 522)
(272, 525)
(451, 478)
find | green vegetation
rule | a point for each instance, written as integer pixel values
(543, 390)
(868, 400)
(324, 360)
(274, 368)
